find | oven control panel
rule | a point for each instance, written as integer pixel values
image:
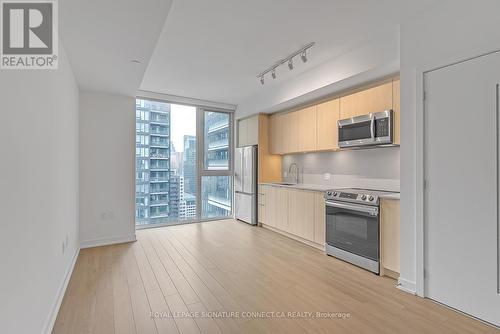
(351, 197)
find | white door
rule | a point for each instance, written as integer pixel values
(461, 199)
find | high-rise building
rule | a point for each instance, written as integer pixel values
(152, 161)
(216, 190)
(189, 165)
(216, 140)
(174, 192)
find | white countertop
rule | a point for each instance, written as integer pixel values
(322, 188)
(396, 196)
(302, 186)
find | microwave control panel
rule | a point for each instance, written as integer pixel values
(382, 127)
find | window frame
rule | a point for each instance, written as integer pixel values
(200, 160)
(200, 152)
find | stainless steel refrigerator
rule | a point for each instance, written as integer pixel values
(245, 184)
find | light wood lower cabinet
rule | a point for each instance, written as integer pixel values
(301, 213)
(296, 213)
(319, 219)
(276, 207)
(389, 238)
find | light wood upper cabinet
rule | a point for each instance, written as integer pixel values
(396, 107)
(290, 131)
(276, 134)
(307, 129)
(315, 128)
(301, 213)
(374, 99)
(248, 131)
(269, 169)
(327, 115)
(389, 237)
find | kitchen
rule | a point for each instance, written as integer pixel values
(309, 157)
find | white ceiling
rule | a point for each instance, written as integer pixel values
(102, 37)
(214, 49)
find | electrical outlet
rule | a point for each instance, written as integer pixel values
(326, 176)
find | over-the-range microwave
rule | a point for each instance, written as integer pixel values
(367, 130)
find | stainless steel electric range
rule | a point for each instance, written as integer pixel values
(353, 226)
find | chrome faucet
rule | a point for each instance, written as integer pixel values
(293, 164)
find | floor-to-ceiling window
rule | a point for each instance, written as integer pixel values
(216, 189)
(179, 150)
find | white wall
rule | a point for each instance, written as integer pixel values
(39, 197)
(450, 32)
(373, 60)
(107, 168)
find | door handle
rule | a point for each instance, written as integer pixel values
(372, 127)
(497, 107)
(354, 207)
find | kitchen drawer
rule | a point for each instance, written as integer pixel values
(261, 198)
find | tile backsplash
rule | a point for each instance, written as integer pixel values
(376, 168)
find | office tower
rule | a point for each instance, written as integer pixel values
(216, 190)
(152, 161)
(189, 164)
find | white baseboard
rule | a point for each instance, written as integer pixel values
(107, 241)
(407, 286)
(51, 320)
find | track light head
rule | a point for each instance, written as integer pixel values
(290, 64)
(273, 73)
(262, 79)
(303, 56)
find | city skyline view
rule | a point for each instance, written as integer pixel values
(167, 175)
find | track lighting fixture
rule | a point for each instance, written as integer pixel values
(303, 55)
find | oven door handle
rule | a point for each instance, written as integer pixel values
(360, 208)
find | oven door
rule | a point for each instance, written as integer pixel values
(353, 228)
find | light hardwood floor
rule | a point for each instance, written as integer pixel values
(233, 267)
